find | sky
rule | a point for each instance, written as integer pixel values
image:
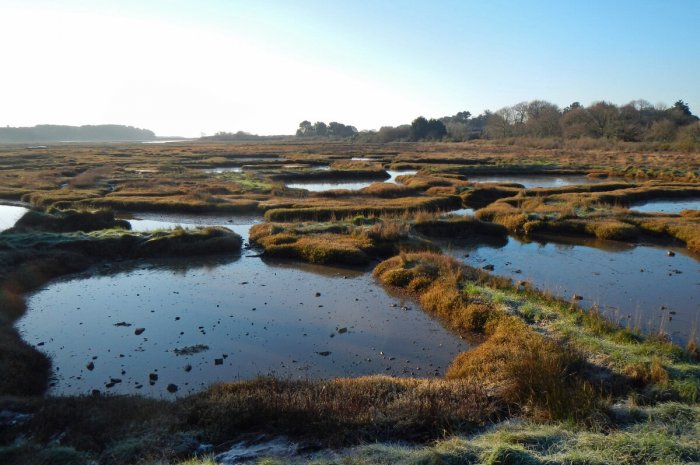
(187, 68)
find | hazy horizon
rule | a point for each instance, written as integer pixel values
(189, 68)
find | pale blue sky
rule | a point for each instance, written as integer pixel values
(190, 67)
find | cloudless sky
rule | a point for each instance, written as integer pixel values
(184, 67)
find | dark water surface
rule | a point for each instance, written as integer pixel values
(255, 318)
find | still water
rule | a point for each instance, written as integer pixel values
(224, 319)
(352, 185)
(641, 286)
(667, 206)
(537, 180)
(9, 214)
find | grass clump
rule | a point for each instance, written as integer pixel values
(346, 242)
(56, 220)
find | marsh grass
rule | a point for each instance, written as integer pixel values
(526, 370)
(600, 393)
(348, 242)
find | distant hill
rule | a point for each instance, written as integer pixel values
(57, 133)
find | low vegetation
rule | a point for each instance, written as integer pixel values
(548, 381)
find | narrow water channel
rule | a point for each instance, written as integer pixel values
(316, 186)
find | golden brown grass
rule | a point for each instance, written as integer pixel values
(529, 371)
(344, 410)
(335, 242)
(522, 368)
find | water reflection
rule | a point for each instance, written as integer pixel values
(229, 318)
(638, 285)
(9, 214)
(315, 186)
(537, 180)
(667, 206)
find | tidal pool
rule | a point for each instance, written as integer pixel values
(215, 320)
(667, 206)
(148, 221)
(9, 214)
(316, 186)
(636, 285)
(537, 180)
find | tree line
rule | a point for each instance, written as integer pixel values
(60, 133)
(636, 121)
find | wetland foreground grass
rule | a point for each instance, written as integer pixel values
(550, 382)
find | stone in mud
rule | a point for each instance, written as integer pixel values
(172, 388)
(488, 267)
(325, 353)
(139, 331)
(90, 366)
(218, 361)
(153, 376)
(342, 330)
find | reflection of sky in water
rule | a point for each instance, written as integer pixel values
(9, 214)
(239, 224)
(606, 273)
(355, 185)
(667, 206)
(530, 181)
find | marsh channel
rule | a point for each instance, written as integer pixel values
(232, 318)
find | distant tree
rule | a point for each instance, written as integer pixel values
(432, 129)
(543, 119)
(336, 129)
(680, 114)
(320, 129)
(576, 123)
(573, 106)
(391, 134)
(501, 123)
(306, 129)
